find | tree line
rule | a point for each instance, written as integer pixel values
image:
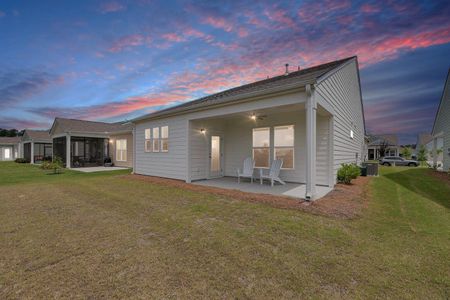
(10, 132)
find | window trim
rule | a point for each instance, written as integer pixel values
(285, 147)
(157, 140)
(162, 139)
(257, 148)
(149, 139)
(123, 151)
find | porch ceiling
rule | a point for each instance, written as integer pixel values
(260, 112)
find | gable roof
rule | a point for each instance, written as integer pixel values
(41, 135)
(376, 140)
(9, 140)
(83, 126)
(423, 139)
(299, 78)
(446, 85)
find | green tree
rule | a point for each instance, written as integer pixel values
(422, 155)
(406, 152)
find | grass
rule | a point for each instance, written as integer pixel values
(97, 235)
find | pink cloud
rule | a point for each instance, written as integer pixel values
(128, 41)
(173, 37)
(368, 8)
(2, 14)
(112, 6)
(280, 16)
(219, 22)
(20, 124)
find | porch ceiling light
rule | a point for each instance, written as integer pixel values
(253, 117)
(203, 130)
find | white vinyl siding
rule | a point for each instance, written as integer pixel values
(173, 163)
(341, 91)
(442, 124)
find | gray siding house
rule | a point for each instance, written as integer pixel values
(81, 143)
(313, 119)
(441, 127)
(9, 148)
(36, 146)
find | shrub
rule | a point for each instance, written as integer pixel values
(22, 161)
(46, 165)
(347, 172)
(407, 152)
(56, 165)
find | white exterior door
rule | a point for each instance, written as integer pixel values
(7, 153)
(215, 156)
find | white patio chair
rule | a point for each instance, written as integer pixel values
(247, 171)
(273, 174)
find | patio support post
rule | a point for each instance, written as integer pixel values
(311, 128)
(188, 152)
(133, 132)
(435, 152)
(32, 153)
(68, 166)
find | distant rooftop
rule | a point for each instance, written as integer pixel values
(74, 125)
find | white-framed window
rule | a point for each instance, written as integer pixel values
(155, 139)
(261, 147)
(165, 139)
(148, 142)
(284, 145)
(121, 150)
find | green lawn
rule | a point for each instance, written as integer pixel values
(79, 235)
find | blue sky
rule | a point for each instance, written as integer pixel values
(115, 60)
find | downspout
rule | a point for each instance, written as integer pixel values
(311, 108)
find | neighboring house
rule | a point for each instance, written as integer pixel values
(441, 127)
(9, 148)
(426, 140)
(37, 146)
(82, 143)
(312, 119)
(377, 142)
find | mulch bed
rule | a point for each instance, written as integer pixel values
(444, 176)
(345, 201)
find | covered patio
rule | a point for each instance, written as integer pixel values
(294, 190)
(300, 134)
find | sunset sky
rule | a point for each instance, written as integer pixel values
(115, 60)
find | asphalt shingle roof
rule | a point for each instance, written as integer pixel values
(73, 125)
(9, 140)
(41, 135)
(301, 77)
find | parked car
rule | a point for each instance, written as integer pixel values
(398, 161)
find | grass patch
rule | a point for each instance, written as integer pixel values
(93, 235)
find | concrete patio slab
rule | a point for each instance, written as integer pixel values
(98, 169)
(294, 190)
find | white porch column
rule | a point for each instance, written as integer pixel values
(32, 153)
(188, 152)
(434, 152)
(133, 132)
(68, 166)
(311, 131)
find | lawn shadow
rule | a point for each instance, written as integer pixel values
(421, 182)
